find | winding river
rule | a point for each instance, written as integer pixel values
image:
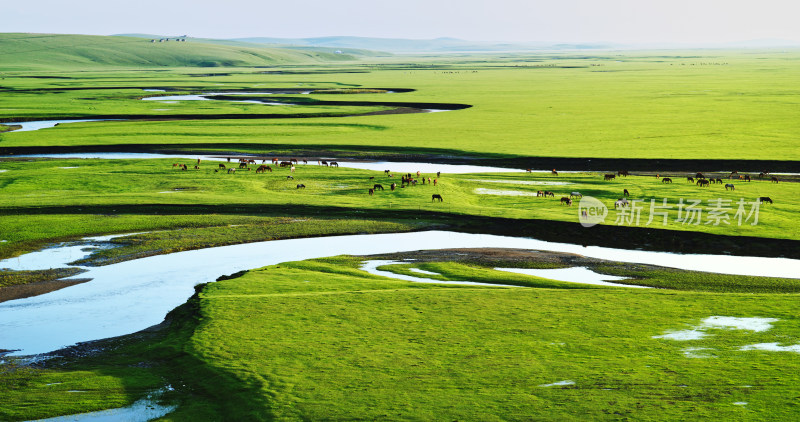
(129, 296)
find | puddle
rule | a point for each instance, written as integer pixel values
(372, 268)
(683, 335)
(559, 383)
(44, 124)
(142, 410)
(484, 191)
(129, 296)
(698, 352)
(740, 403)
(772, 347)
(522, 182)
(720, 322)
(573, 275)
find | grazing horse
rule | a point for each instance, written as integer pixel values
(222, 166)
(540, 193)
(242, 165)
(719, 181)
(666, 180)
(323, 163)
(702, 183)
(548, 193)
(197, 167)
(625, 193)
(231, 170)
(436, 196)
(609, 177)
(746, 177)
(733, 173)
(774, 179)
(274, 160)
(690, 179)
(301, 186)
(293, 160)
(699, 176)
(765, 199)
(576, 194)
(528, 170)
(378, 187)
(565, 200)
(729, 185)
(393, 186)
(305, 161)
(554, 172)
(371, 192)
(334, 164)
(623, 173)
(621, 203)
(263, 168)
(289, 178)
(386, 172)
(285, 163)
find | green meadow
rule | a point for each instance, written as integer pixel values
(324, 340)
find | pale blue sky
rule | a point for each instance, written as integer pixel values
(626, 21)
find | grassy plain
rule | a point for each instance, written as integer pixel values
(679, 105)
(322, 339)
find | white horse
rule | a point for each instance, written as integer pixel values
(621, 203)
(576, 195)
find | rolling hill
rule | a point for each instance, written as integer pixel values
(21, 51)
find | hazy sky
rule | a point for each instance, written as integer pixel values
(628, 21)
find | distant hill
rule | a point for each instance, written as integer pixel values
(400, 45)
(48, 51)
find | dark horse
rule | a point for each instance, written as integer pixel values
(666, 180)
(565, 200)
(301, 186)
(436, 196)
(609, 177)
(702, 182)
(378, 187)
(765, 199)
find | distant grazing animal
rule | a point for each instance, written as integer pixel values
(263, 168)
(289, 178)
(436, 196)
(609, 177)
(528, 170)
(774, 179)
(550, 194)
(378, 187)
(387, 172)
(242, 165)
(702, 182)
(762, 174)
(565, 200)
(746, 177)
(285, 164)
(623, 173)
(719, 181)
(175, 164)
(371, 177)
(438, 174)
(540, 193)
(274, 160)
(621, 203)
(301, 186)
(293, 160)
(392, 186)
(729, 185)
(576, 195)
(222, 166)
(334, 164)
(765, 199)
(625, 193)
(371, 192)
(732, 174)
(699, 176)
(197, 167)
(690, 179)
(305, 161)
(183, 167)
(554, 172)
(323, 162)
(666, 180)
(231, 170)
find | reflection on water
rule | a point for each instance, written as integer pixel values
(129, 296)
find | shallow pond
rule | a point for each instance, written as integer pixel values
(129, 296)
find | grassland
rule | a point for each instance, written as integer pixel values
(322, 339)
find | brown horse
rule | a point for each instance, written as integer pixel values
(666, 180)
(609, 177)
(334, 164)
(623, 173)
(746, 177)
(690, 179)
(436, 196)
(774, 179)
(554, 172)
(702, 183)
(378, 187)
(393, 186)
(371, 192)
(565, 200)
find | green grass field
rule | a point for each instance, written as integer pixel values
(324, 340)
